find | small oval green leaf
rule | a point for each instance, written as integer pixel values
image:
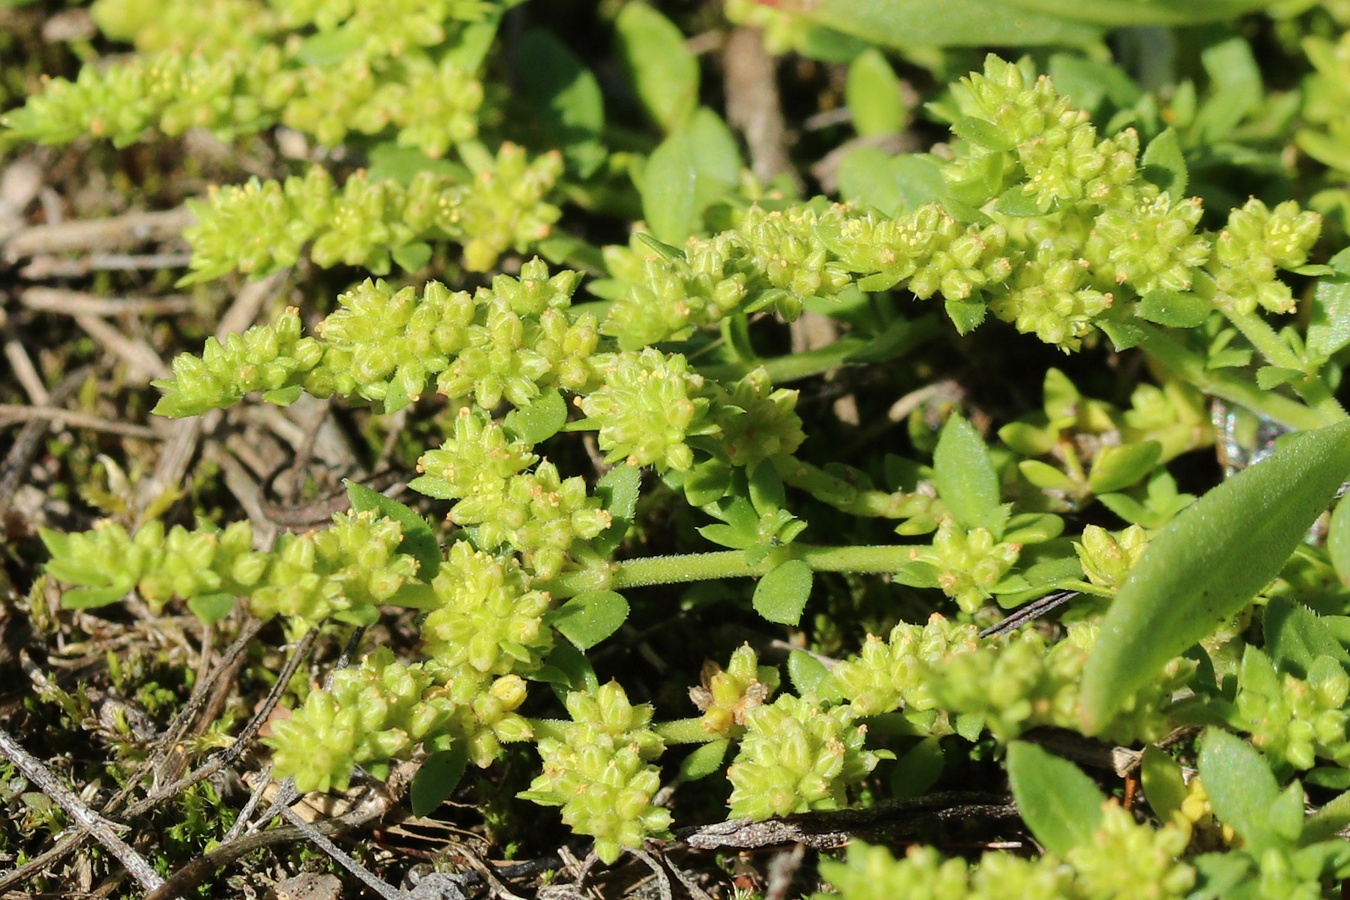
(1209, 562)
(781, 595)
(587, 619)
(964, 475)
(660, 66)
(705, 760)
(1241, 787)
(437, 779)
(1061, 805)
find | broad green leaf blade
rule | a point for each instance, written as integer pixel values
(1061, 805)
(964, 475)
(660, 66)
(541, 420)
(211, 608)
(589, 618)
(1209, 562)
(437, 779)
(1241, 787)
(618, 490)
(781, 595)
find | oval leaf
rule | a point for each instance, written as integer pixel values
(660, 66)
(419, 541)
(705, 760)
(437, 779)
(781, 595)
(963, 474)
(587, 619)
(1061, 805)
(1208, 563)
(1241, 787)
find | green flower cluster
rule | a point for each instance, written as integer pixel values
(1255, 242)
(872, 873)
(210, 27)
(538, 514)
(1295, 721)
(108, 563)
(1044, 223)
(795, 757)
(1092, 871)
(483, 713)
(512, 341)
(262, 227)
(757, 421)
(237, 67)
(969, 562)
(887, 675)
(372, 713)
(1107, 558)
(648, 407)
(772, 260)
(598, 769)
(269, 358)
(1020, 681)
(727, 696)
(489, 618)
(345, 571)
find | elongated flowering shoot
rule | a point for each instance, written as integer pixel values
(344, 572)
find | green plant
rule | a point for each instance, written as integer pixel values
(1069, 221)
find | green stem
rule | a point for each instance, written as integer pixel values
(684, 731)
(881, 560)
(1270, 345)
(1224, 383)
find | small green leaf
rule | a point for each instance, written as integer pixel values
(893, 184)
(781, 595)
(1165, 166)
(618, 490)
(89, 598)
(1174, 309)
(1045, 476)
(766, 489)
(589, 618)
(966, 315)
(659, 64)
(1268, 378)
(1116, 468)
(419, 541)
(964, 475)
(542, 419)
(1209, 562)
(669, 185)
(1329, 320)
(411, 257)
(918, 769)
(211, 608)
(1332, 818)
(1240, 785)
(704, 761)
(874, 95)
(1338, 541)
(437, 779)
(1163, 781)
(809, 676)
(575, 669)
(1296, 637)
(1061, 805)
(566, 99)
